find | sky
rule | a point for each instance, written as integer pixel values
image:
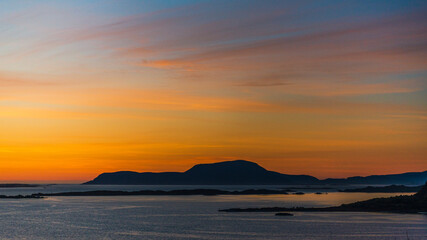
(325, 88)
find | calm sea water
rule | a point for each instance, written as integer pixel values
(195, 217)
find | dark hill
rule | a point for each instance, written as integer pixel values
(410, 178)
(241, 172)
(237, 172)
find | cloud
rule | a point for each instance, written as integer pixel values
(307, 55)
(164, 104)
(303, 44)
(16, 81)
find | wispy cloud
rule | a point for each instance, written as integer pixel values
(293, 85)
(7, 80)
(275, 39)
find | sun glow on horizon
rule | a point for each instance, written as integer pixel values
(329, 90)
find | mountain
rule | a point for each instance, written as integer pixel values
(241, 172)
(238, 172)
(411, 178)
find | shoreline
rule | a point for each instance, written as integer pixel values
(184, 192)
(416, 203)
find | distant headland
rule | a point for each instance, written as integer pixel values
(18, 185)
(241, 172)
(416, 203)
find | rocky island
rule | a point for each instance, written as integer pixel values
(416, 203)
(184, 192)
(385, 189)
(18, 185)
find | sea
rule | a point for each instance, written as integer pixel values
(196, 217)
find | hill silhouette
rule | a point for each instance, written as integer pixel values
(410, 178)
(238, 172)
(241, 172)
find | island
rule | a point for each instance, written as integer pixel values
(18, 185)
(416, 203)
(385, 189)
(21, 196)
(242, 172)
(185, 192)
(284, 214)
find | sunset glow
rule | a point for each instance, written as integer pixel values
(335, 89)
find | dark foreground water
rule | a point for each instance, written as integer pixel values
(196, 217)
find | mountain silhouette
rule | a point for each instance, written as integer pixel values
(238, 172)
(410, 178)
(241, 172)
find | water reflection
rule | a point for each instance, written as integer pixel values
(196, 217)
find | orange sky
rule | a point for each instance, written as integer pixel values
(335, 90)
